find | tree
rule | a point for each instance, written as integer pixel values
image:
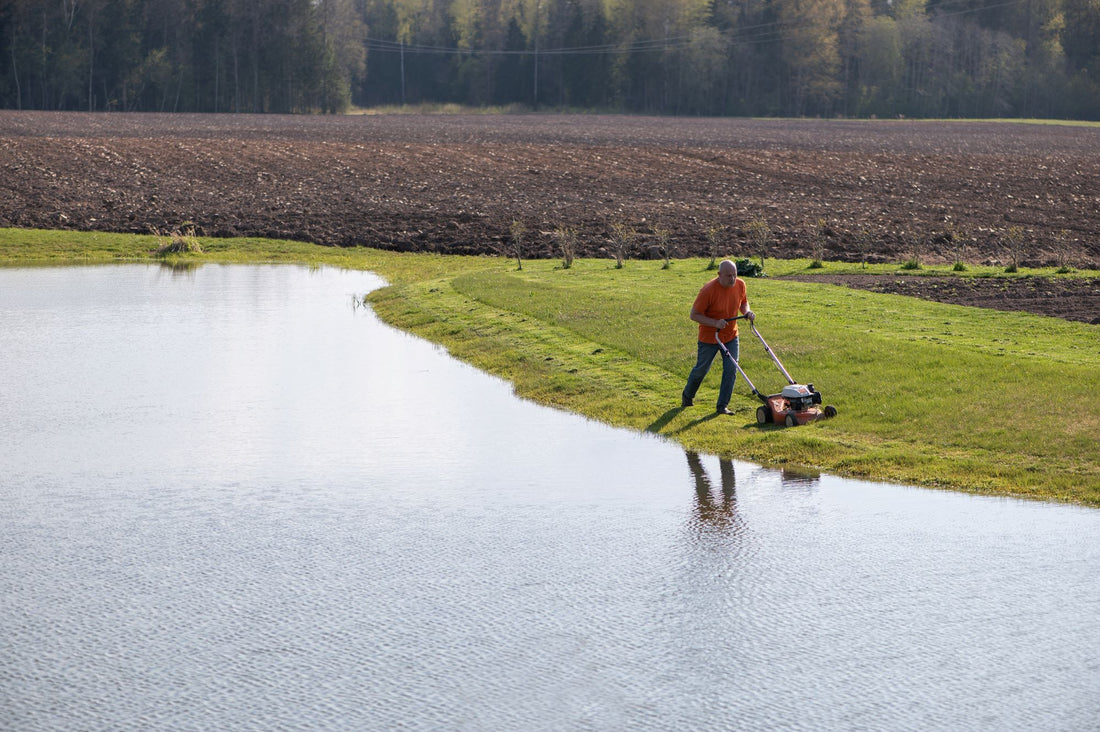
(881, 65)
(345, 57)
(702, 66)
(850, 36)
(1080, 39)
(749, 57)
(811, 54)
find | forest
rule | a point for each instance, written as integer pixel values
(818, 58)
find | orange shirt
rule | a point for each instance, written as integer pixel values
(715, 301)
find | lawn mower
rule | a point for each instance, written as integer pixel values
(796, 404)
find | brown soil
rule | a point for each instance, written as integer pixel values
(887, 191)
(1069, 298)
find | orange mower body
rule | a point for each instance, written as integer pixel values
(795, 405)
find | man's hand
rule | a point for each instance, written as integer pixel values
(750, 315)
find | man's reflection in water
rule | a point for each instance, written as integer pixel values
(714, 510)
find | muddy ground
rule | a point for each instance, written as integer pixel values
(886, 191)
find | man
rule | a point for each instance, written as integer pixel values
(714, 309)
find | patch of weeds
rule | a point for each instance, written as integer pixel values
(180, 240)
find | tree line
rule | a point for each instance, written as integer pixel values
(858, 58)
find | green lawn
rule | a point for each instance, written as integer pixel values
(927, 393)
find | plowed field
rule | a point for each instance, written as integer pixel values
(886, 190)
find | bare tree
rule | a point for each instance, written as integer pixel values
(913, 243)
(517, 231)
(863, 240)
(1014, 242)
(821, 229)
(1062, 251)
(567, 240)
(957, 241)
(713, 243)
(622, 237)
(664, 244)
(759, 234)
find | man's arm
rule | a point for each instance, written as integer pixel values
(702, 319)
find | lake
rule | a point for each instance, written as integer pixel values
(231, 498)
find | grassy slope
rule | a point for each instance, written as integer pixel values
(928, 393)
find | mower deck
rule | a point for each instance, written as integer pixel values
(778, 410)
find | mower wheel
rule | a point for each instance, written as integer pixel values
(763, 415)
(830, 411)
(791, 421)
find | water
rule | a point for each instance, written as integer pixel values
(230, 499)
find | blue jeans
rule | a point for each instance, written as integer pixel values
(707, 352)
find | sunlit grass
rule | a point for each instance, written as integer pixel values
(928, 393)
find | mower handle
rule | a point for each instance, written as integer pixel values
(730, 320)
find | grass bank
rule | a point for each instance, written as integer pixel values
(930, 394)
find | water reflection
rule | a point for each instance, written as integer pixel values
(715, 508)
(799, 478)
(281, 489)
(180, 266)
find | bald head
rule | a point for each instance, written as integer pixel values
(727, 273)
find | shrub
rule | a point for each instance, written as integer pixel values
(567, 241)
(749, 268)
(177, 241)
